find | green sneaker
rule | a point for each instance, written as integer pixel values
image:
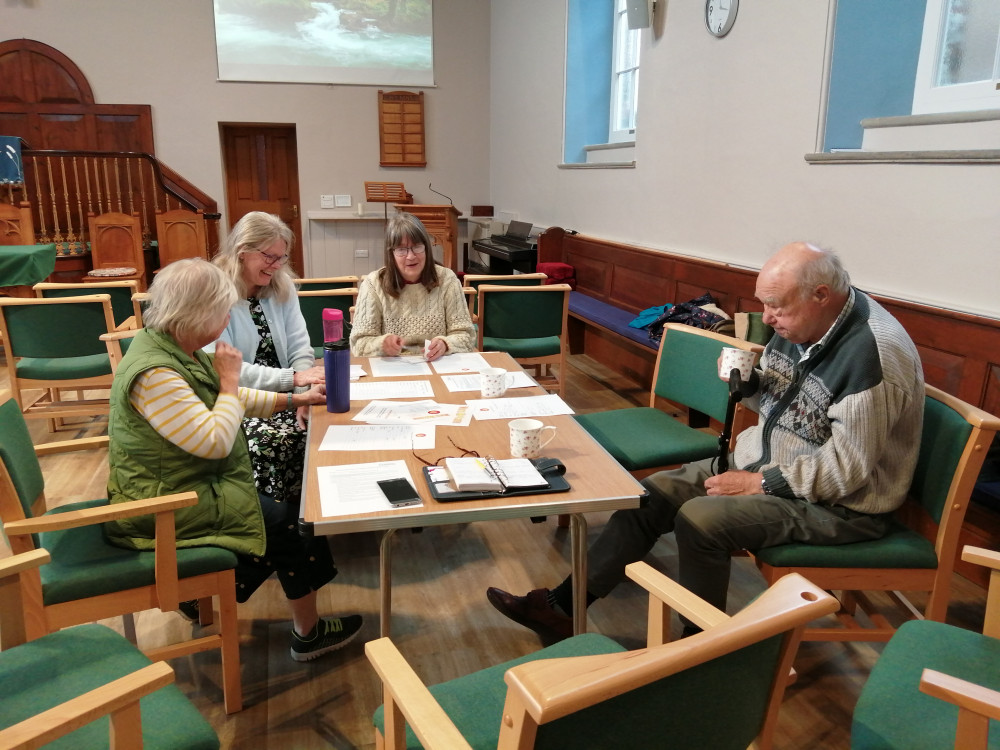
(326, 635)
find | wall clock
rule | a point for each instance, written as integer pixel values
(720, 15)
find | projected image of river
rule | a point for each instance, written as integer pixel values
(329, 37)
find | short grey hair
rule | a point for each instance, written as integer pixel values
(253, 233)
(189, 297)
(825, 268)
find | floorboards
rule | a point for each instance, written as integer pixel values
(441, 620)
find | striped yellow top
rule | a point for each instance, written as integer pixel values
(171, 407)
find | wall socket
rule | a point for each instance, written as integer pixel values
(360, 252)
(326, 201)
(343, 201)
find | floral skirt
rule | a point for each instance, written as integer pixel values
(277, 453)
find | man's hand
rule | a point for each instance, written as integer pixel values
(734, 483)
(227, 362)
(313, 375)
(392, 345)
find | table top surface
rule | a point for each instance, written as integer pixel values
(597, 482)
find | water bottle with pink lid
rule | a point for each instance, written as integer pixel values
(337, 361)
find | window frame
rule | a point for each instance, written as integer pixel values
(962, 97)
(620, 69)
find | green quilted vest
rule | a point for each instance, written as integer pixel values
(144, 464)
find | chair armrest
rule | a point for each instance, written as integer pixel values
(88, 516)
(405, 695)
(976, 706)
(121, 332)
(666, 594)
(15, 564)
(129, 324)
(65, 446)
(980, 556)
(120, 698)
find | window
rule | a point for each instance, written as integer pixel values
(959, 65)
(624, 77)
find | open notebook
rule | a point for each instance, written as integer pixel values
(470, 478)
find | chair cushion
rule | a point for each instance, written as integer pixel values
(40, 674)
(84, 564)
(644, 438)
(613, 318)
(545, 346)
(64, 368)
(893, 713)
(899, 548)
(475, 702)
(556, 271)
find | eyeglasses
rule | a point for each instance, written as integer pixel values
(465, 452)
(274, 259)
(400, 252)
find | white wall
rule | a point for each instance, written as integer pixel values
(723, 129)
(162, 53)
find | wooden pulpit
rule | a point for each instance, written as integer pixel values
(442, 225)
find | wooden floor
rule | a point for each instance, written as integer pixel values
(442, 621)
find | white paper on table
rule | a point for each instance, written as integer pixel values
(456, 383)
(397, 367)
(357, 372)
(522, 406)
(462, 362)
(352, 488)
(371, 437)
(414, 412)
(373, 389)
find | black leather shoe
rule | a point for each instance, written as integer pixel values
(533, 611)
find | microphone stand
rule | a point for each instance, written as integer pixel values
(735, 396)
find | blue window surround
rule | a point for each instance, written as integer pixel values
(874, 66)
(589, 30)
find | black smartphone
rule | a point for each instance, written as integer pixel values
(399, 492)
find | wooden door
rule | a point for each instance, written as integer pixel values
(261, 166)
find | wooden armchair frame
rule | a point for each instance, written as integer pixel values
(544, 690)
(165, 593)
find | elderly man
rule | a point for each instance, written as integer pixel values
(840, 395)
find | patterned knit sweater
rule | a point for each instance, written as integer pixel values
(840, 423)
(415, 315)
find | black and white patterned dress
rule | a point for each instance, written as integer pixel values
(277, 445)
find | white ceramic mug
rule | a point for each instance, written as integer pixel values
(526, 437)
(493, 382)
(739, 359)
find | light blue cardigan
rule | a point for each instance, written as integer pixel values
(291, 342)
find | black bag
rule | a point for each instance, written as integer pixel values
(693, 314)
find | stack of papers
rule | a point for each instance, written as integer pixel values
(414, 412)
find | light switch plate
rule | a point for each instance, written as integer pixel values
(326, 201)
(344, 201)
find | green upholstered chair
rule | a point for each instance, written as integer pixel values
(124, 307)
(87, 687)
(529, 323)
(719, 689)
(646, 438)
(918, 553)
(90, 579)
(313, 301)
(54, 345)
(475, 280)
(935, 685)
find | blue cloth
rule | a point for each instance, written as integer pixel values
(649, 315)
(11, 169)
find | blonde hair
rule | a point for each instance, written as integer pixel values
(253, 233)
(189, 297)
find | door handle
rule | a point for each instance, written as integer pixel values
(295, 210)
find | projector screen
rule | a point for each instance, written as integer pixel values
(367, 42)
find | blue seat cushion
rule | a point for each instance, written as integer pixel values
(645, 438)
(899, 548)
(43, 673)
(475, 702)
(613, 318)
(84, 564)
(893, 713)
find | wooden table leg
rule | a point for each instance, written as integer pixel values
(385, 582)
(578, 546)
